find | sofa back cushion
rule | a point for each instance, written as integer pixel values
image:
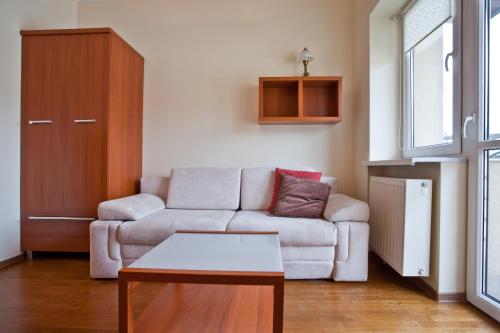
(204, 188)
(155, 185)
(257, 186)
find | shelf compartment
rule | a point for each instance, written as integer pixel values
(320, 98)
(279, 98)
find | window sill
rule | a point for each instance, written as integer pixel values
(415, 160)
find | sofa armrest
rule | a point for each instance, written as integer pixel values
(130, 208)
(351, 251)
(105, 258)
(341, 208)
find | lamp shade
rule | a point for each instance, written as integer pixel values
(305, 55)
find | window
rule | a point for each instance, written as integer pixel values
(431, 76)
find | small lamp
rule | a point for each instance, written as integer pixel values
(305, 56)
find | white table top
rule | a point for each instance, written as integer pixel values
(215, 252)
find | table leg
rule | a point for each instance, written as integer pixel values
(125, 315)
(278, 306)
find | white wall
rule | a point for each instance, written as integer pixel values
(385, 85)
(452, 228)
(361, 103)
(203, 59)
(14, 16)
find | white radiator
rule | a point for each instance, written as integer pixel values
(400, 223)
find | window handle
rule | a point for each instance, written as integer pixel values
(446, 61)
(467, 120)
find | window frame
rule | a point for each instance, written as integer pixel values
(455, 147)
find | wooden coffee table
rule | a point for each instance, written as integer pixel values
(213, 282)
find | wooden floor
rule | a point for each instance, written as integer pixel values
(55, 294)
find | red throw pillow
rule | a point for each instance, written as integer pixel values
(316, 176)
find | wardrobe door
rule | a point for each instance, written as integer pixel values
(86, 91)
(64, 99)
(42, 126)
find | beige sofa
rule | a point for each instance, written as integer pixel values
(231, 199)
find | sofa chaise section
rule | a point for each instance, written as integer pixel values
(307, 245)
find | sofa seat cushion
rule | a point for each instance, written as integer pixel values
(292, 231)
(155, 228)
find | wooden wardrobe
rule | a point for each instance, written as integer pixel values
(81, 132)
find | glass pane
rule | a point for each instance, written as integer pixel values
(492, 224)
(493, 125)
(433, 89)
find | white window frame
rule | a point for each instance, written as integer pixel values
(455, 147)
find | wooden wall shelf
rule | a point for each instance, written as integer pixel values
(300, 100)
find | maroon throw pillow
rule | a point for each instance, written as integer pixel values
(316, 176)
(299, 197)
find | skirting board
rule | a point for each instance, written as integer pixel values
(12, 260)
(440, 297)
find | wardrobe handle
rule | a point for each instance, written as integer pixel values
(85, 121)
(61, 218)
(34, 122)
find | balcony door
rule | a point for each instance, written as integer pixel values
(481, 131)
